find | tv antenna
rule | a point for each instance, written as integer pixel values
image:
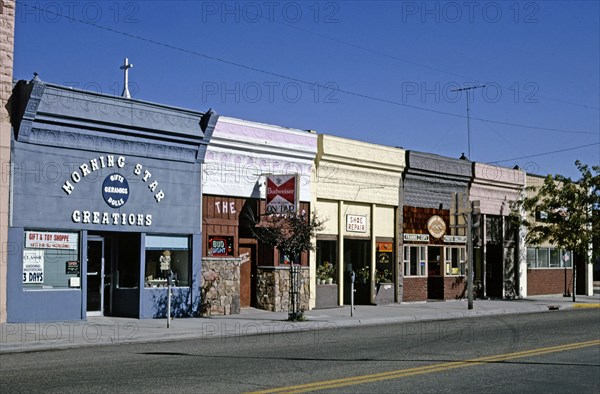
(467, 89)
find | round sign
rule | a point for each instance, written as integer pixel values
(436, 226)
(115, 190)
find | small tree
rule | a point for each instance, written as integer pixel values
(291, 234)
(569, 211)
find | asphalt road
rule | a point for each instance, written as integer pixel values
(543, 352)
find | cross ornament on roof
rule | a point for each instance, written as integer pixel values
(126, 66)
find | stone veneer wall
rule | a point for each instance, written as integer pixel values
(220, 286)
(273, 289)
(7, 46)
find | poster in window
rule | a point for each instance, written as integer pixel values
(33, 266)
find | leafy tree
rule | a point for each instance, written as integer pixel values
(291, 234)
(568, 212)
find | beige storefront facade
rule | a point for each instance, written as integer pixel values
(357, 189)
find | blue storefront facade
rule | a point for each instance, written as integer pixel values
(104, 202)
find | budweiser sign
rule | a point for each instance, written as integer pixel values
(282, 193)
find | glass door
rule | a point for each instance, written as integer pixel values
(95, 276)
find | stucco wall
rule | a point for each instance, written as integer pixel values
(496, 187)
(356, 171)
(241, 152)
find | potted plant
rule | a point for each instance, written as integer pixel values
(325, 273)
(363, 274)
(384, 276)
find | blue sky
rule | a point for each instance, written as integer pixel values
(376, 71)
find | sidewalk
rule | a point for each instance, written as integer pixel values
(112, 330)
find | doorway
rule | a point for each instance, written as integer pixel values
(95, 276)
(247, 275)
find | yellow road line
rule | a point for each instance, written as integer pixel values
(335, 383)
(586, 305)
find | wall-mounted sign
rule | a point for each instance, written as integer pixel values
(356, 223)
(33, 266)
(416, 237)
(115, 190)
(385, 247)
(282, 194)
(72, 267)
(436, 226)
(245, 257)
(46, 240)
(220, 246)
(455, 239)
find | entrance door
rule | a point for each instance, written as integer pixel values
(246, 275)
(95, 276)
(494, 271)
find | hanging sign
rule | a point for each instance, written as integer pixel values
(282, 194)
(33, 266)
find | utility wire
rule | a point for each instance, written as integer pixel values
(294, 79)
(546, 153)
(384, 54)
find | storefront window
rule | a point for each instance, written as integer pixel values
(51, 260)
(549, 258)
(414, 260)
(164, 253)
(455, 260)
(543, 258)
(555, 258)
(384, 262)
(531, 258)
(326, 260)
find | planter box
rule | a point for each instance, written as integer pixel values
(384, 294)
(327, 296)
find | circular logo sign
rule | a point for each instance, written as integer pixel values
(436, 226)
(115, 190)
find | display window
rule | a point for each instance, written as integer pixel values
(164, 255)
(51, 260)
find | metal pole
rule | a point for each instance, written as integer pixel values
(169, 304)
(351, 299)
(352, 277)
(574, 278)
(470, 257)
(468, 128)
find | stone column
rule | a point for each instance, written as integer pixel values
(7, 50)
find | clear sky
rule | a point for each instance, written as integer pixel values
(376, 71)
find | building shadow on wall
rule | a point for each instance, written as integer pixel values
(181, 305)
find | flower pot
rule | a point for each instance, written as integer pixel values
(329, 281)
